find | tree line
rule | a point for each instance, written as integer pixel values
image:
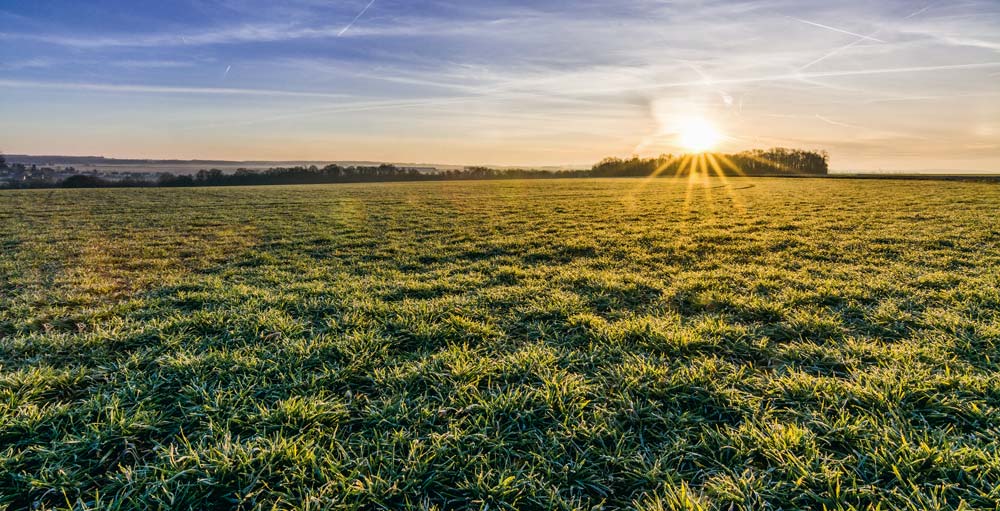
(777, 161)
(339, 174)
(771, 162)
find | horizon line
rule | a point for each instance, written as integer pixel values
(564, 166)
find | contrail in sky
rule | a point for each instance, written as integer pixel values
(860, 39)
(835, 123)
(831, 53)
(356, 18)
(807, 22)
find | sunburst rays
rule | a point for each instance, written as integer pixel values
(700, 175)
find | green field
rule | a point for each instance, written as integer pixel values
(750, 344)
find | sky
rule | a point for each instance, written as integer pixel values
(882, 85)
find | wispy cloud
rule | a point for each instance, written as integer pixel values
(959, 40)
(253, 33)
(163, 89)
(29, 63)
(934, 97)
(151, 63)
(785, 77)
(248, 33)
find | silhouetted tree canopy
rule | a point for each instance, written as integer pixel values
(771, 162)
(339, 174)
(83, 181)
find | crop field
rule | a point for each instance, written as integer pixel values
(561, 344)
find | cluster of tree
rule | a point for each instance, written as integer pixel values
(770, 162)
(338, 174)
(74, 181)
(296, 175)
(15, 167)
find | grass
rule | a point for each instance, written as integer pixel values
(756, 344)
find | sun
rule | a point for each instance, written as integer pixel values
(698, 136)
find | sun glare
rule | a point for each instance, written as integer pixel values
(698, 136)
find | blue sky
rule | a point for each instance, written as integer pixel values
(898, 85)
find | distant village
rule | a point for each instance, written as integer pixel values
(13, 174)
